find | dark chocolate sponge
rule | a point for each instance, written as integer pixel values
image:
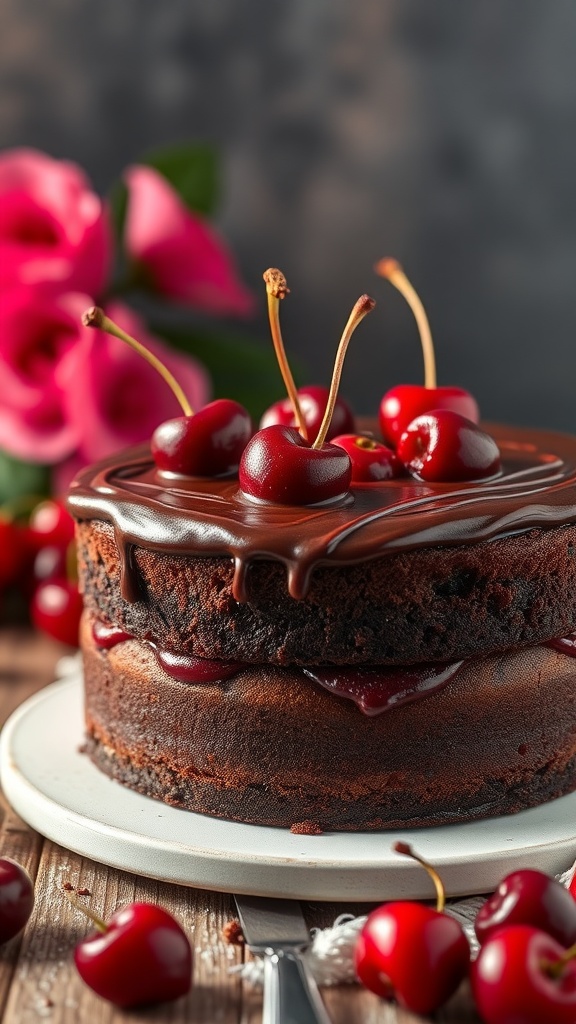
(398, 572)
(271, 747)
(423, 605)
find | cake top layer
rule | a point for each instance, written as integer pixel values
(211, 517)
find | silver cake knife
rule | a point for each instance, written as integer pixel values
(276, 929)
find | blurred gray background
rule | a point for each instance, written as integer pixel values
(439, 132)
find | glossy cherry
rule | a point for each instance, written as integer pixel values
(522, 975)
(372, 462)
(16, 898)
(140, 956)
(410, 951)
(50, 525)
(206, 443)
(405, 402)
(443, 446)
(313, 400)
(49, 563)
(14, 555)
(279, 465)
(210, 443)
(529, 897)
(56, 608)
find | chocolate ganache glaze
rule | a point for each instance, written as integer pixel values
(212, 517)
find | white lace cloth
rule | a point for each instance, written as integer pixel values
(330, 956)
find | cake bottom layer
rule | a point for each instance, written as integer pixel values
(271, 747)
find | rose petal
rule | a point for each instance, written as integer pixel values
(52, 226)
(179, 250)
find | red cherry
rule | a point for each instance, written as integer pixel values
(443, 446)
(279, 465)
(13, 552)
(413, 952)
(371, 460)
(49, 564)
(142, 956)
(50, 525)
(313, 400)
(56, 608)
(522, 976)
(529, 897)
(16, 898)
(405, 402)
(209, 443)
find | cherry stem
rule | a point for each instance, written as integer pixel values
(392, 271)
(362, 307)
(365, 442)
(98, 923)
(554, 968)
(277, 289)
(96, 317)
(407, 850)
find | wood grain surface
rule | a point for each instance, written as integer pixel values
(38, 980)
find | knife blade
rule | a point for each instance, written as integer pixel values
(276, 930)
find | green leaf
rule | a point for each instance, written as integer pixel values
(20, 479)
(240, 368)
(193, 171)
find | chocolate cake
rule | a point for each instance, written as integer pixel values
(401, 657)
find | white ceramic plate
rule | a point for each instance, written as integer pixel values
(59, 792)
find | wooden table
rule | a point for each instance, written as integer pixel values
(38, 980)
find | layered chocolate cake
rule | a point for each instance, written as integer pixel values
(398, 657)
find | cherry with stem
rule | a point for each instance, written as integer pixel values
(405, 402)
(280, 465)
(412, 952)
(523, 974)
(140, 956)
(207, 443)
(305, 407)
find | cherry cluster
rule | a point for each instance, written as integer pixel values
(37, 559)
(307, 450)
(526, 968)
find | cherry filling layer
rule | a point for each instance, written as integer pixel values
(373, 690)
(183, 667)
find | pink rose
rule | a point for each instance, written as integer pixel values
(178, 250)
(53, 227)
(69, 391)
(38, 330)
